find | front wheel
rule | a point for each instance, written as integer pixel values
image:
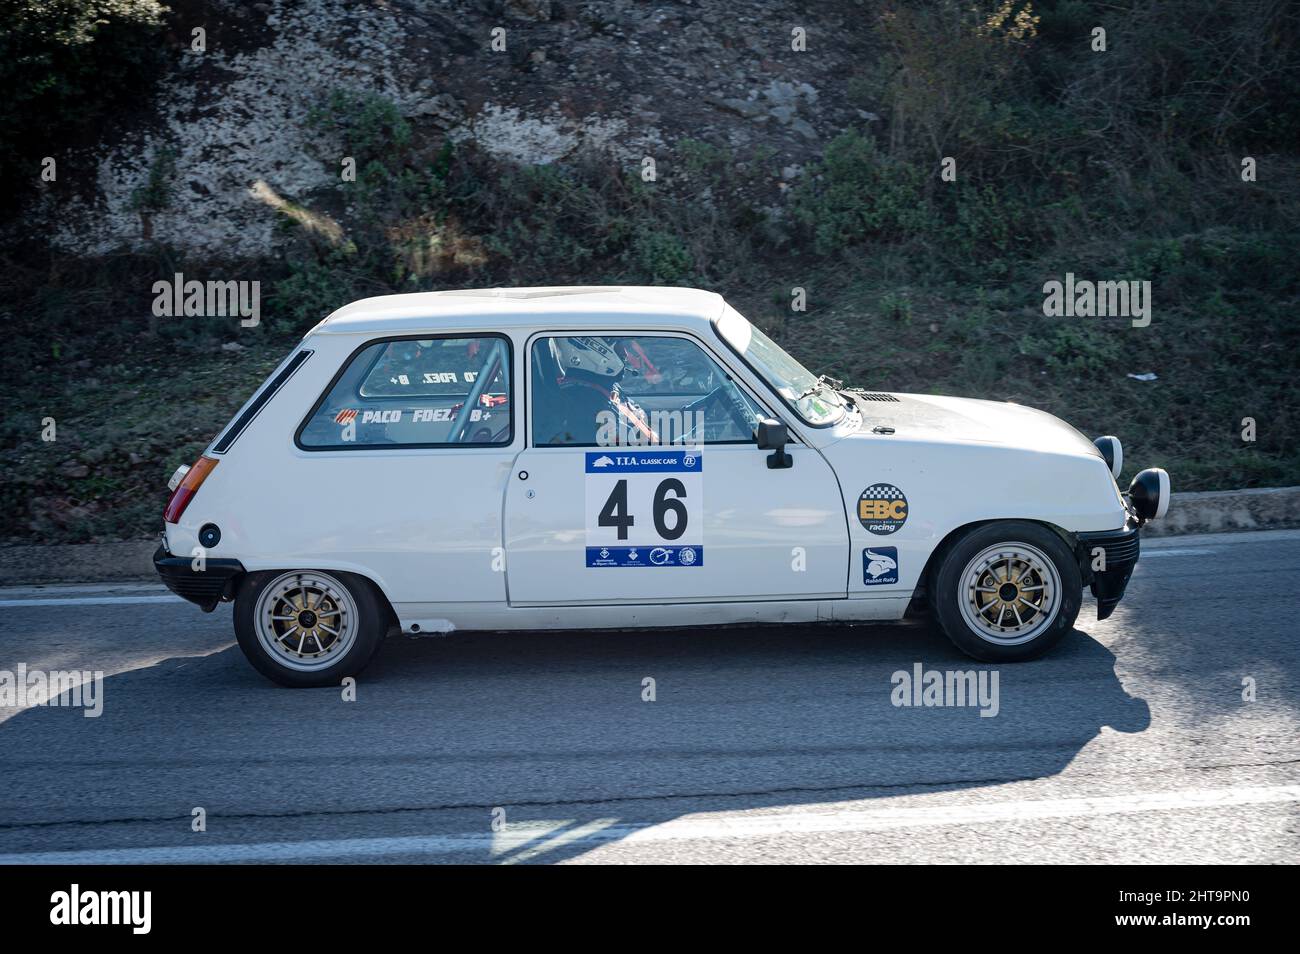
(1007, 591)
(306, 627)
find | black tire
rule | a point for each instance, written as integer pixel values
(950, 592)
(371, 620)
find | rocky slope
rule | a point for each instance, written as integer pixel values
(625, 78)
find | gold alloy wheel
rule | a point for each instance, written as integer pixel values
(306, 620)
(1011, 593)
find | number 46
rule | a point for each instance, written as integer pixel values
(615, 512)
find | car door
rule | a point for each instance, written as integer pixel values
(641, 481)
(399, 469)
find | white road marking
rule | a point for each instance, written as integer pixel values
(536, 839)
(28, 596)
(1220, 539)
(92, 601)
(55, 589)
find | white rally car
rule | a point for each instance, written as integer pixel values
(614, 458)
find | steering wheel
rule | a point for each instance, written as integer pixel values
(485, 435)
(734, 408)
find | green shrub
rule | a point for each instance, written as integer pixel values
(156, 192)
(662, 256)
(857, 193)
(371, 126)
(64, 65)
(314, 287)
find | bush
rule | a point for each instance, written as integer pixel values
(313, 288)
(64, 64)
(857, 193)
(1186, 73)
(156, 192)
(661, 256)
(949, 75)
(370, 126)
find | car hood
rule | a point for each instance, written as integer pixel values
(960, 420)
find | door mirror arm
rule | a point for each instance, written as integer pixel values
(772, 435)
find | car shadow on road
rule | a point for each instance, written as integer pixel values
(751, 718)
(589, 734)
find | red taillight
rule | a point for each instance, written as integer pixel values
(183, 494)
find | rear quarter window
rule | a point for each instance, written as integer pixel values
(268, 390)
(417, 392)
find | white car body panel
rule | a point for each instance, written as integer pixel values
(757, 525)
(372, 512)
(443, 618)
(454, 541)
(963, 461)
(754, 519)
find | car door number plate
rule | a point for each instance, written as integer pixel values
(645, 508)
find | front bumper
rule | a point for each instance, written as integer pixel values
(205, 588)
(1121, 549)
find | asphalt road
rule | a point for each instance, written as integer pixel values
(1130, 743)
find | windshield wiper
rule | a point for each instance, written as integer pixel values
(823, 380)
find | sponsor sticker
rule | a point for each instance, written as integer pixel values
(879, 565)
(645, 508)
(645, 556)
(882, 508)
(620, 461)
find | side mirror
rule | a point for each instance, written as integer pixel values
(772, 435)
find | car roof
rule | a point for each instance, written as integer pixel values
(501, 308)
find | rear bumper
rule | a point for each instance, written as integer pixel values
(205, 588)
(1121, 549)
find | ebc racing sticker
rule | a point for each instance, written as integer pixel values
(879, 565)
(882, 508)
(645, 508)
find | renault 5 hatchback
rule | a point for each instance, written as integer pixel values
(590, 457)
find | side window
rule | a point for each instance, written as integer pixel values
(634, 390)
(417, 392)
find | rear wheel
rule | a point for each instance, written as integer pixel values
(1007, 591)
(308, 627)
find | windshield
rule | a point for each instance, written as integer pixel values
(811, 398)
